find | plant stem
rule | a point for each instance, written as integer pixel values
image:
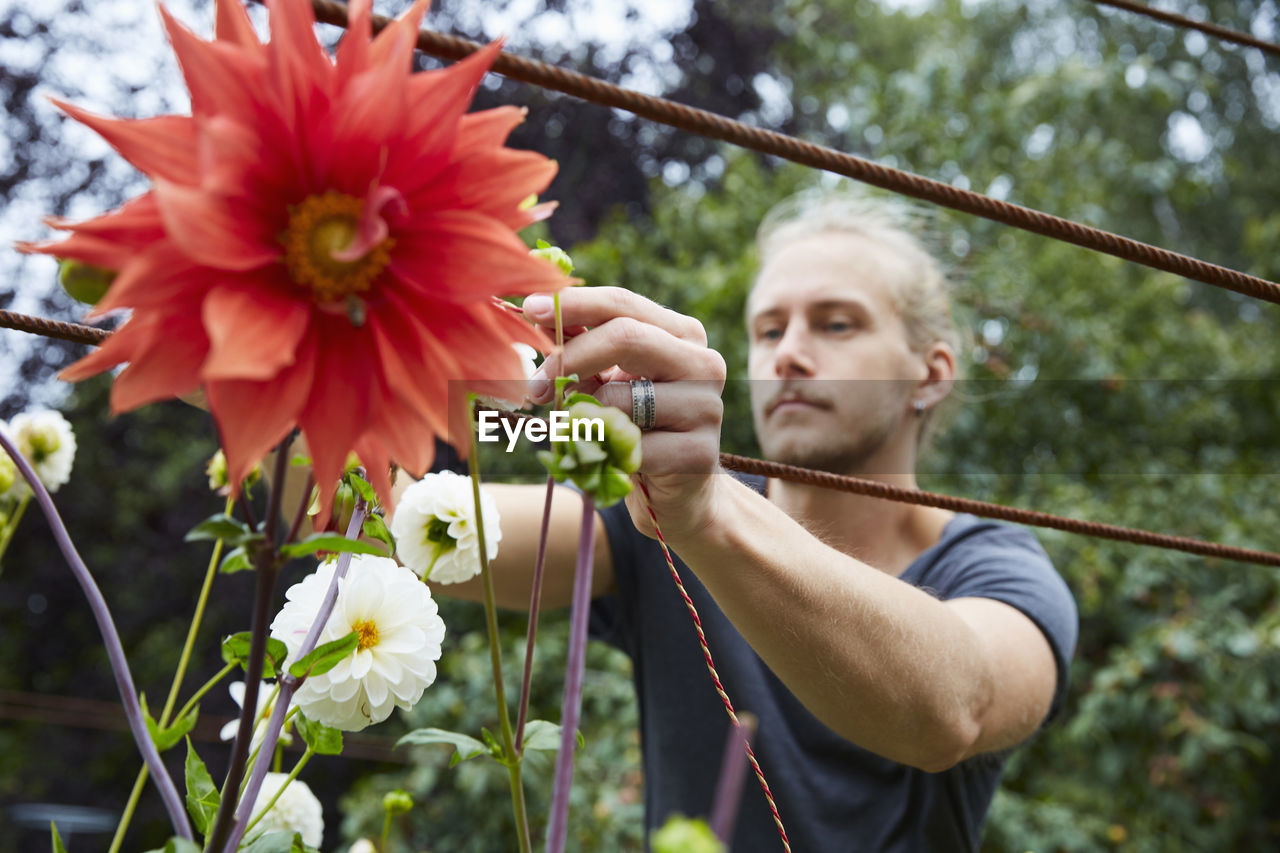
(205, 688)
(495, 649)
(724, 809)
(111, 638)
(535, 602)
(293, 774)
(178, 676)
(266, 562)
(558, 826)
(386, 832)
(288, 685)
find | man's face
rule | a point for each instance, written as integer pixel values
(831, 368)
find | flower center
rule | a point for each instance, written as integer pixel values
(319, 227)
(367, 632)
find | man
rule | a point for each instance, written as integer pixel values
(893, 653)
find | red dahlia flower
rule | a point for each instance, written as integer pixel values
(322, 243)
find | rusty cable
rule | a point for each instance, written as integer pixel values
(1190, 23)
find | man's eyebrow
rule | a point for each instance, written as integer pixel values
(847, 302)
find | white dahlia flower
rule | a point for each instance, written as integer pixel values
(435, 528)
(363, 845)
(297, 810)
(400, 636)
(47, 441)
(266, 702)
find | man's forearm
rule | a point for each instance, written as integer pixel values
(879, 661)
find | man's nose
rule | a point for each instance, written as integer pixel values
(793, 357)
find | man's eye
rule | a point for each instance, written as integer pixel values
(771, 334)
(838, 326)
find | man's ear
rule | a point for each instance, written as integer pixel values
(940, 365)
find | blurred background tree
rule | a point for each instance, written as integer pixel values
(1097, 388)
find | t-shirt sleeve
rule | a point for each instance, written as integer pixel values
(1008, 564)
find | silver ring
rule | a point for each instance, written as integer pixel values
(644, 409)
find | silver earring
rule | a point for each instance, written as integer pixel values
(919, 407)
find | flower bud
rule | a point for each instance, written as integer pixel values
(84, 282)
(8, 473)
(601, 468)
(555, 254)
(686, 835)
(397, 802)
(219, 478)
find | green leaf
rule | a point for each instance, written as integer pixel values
(277, 841)
(231, 530)
(579, 397)
(563, 382)
(57, 839)
(202, 794)
(325, 657)
(235, 648)
(362, 487)
(465, 746)
(167, 737)
(321, 738)
(330, 542)
(541, 734)
(375, 528)
(236, 560)
(300, 460)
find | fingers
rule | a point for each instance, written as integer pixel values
(683, 406)
(633, 347)
(594, 306)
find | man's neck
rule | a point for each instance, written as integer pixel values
(885, 534)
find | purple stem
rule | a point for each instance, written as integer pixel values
(288, 686)
(535, 601)
(115, 650)
(558, 828)
(724, 811)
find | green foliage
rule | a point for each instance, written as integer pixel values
(321, 739)
(601, 467)
(686, 835)
(58, 846)
(236, 648)
(278, 841)
(166, 738)
(334, 543)
(325, 656)
(202, 794)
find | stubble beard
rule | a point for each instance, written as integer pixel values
(850, 453)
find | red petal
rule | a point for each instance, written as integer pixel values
(353, 50)
(488, 128)
(206, 227)
(338, 408)
(222, 77)
(380, 204)
(254, 330)
(233, 25)
(437, 101)
(413, 363)
(120, 346)
(158, 277)
(406, 26)
(97, 251)
(461, 256)
(170, 367)
(494, 182)
(159, 147)
(377, 465)
(137, 221)
(254, 416)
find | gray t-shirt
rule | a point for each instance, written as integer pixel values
(831, 794)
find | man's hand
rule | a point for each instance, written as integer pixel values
(617, 336)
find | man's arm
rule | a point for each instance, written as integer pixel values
(882, 663)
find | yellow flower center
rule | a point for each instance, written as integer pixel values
(367, 632)
(320, 226)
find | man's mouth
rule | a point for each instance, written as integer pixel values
(791, 401)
